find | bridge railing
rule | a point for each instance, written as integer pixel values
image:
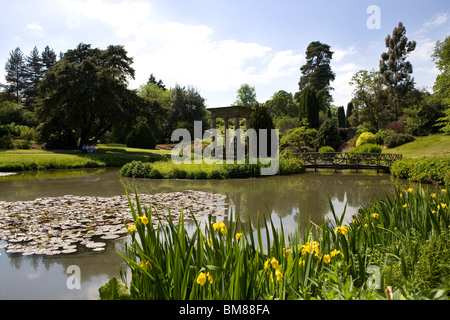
(348, 160)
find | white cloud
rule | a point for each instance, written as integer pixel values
(340, 54)
(35, 27)
(437, 20)
(181, 53)
(423, 51)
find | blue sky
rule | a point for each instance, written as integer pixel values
(215, 46)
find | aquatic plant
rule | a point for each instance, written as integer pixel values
(398, 245)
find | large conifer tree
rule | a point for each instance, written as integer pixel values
(396, 71)
(16, 74)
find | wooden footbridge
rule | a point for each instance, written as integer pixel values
(348, 160)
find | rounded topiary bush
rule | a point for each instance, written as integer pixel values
(366, 137)
(326, 149)
(141, 137)
(367, 148)
(398, 139)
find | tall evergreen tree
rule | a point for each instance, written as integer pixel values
(16, 74)
(48, 58)
(261, 119)
(396, 71)
(85, 94)
(309, 107)
(34, 74)
(317, 73)
(341, 117)
(348, 114)
(159, 83)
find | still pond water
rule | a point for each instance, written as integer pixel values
(293, 199)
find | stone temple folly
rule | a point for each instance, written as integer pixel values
(235, 113)
(232, 112)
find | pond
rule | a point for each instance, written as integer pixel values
(291, 199)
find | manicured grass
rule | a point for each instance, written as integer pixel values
(437, 145)
(106, 156)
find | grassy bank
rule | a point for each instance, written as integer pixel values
(437, 145)
(170, 170)
(106, 156)
(399, 245)
(426, 160)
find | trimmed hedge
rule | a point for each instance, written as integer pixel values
(425, 170)
(138, 169)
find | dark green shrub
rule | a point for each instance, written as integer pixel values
(217, 174)
(326, 149)
(367, 148)
(426, 170)
(6, 141)
(178, 173)
(291, 165)
(155, 174)
(328, 135)
(22, 144)
(381, 135)
(62, 140)
(141, 137)
(397, 139)
(199, 175)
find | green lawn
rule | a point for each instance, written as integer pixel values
(437, 145)
(106, 156)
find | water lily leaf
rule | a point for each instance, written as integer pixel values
(114, 290)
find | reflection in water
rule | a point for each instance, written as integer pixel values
(292, 199)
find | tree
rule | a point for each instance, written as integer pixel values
(16, 74)
(34, 73)
(261, 119)
(394, 68)
(317, 73)
(282, 104)
(441, 56)
(141, 137)
(371, 97)
(309, 107)
(341, 117)
(48, 58)
(157, 110)
(328, 135)
(187, 106)
(159, 83)
(85, 94)
(348, 114)
(246, 96)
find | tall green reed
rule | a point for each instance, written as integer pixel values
(241, 261)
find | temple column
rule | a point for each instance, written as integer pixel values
(247, 123)
(213, 123)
